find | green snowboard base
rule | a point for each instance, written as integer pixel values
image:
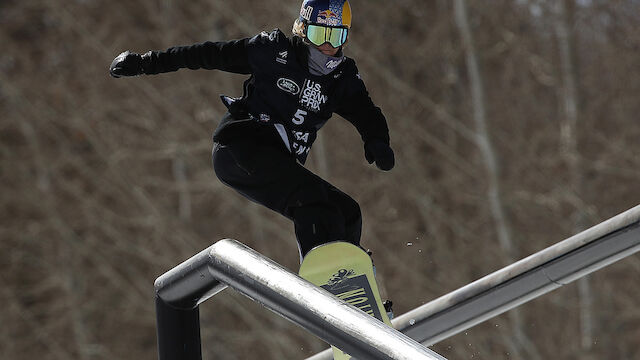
(346, 271)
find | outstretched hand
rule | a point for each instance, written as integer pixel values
(126, 64)
(381, 153)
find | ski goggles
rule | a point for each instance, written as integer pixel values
(318, 35)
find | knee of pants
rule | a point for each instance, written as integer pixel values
(217, 168)
(223, 164)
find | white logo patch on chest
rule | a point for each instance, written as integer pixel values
(289, 86)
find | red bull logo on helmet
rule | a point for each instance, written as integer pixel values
(326, 12)
(328, 17)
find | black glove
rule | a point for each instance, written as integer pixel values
(126, 64)
(381, 153)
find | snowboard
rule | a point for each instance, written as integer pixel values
(346, 271)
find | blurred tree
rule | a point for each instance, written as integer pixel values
(108, 183)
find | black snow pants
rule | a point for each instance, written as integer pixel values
(255, 162)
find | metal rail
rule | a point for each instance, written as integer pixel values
(228, 262)
(522, 281)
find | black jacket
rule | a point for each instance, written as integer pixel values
(281, 90)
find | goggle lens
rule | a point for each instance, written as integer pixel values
(319, 35)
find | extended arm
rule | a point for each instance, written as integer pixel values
(228, 56)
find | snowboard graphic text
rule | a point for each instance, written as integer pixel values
(354, 290)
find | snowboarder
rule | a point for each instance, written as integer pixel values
(295, 84)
